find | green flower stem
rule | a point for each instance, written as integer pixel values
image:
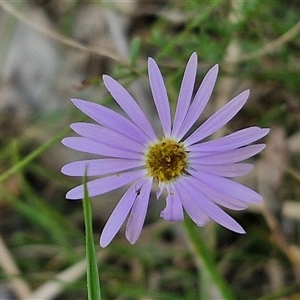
(206, 258)
(93, 282)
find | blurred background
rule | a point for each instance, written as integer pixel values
(54, 50)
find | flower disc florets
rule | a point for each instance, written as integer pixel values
(166, 160)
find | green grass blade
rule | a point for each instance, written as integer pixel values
(135, 47)
(93, 283)
(33, 155)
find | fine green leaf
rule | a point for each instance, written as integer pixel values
(203, 253)
(93, 283)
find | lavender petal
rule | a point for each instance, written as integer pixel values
(227, 157)
(103, 185)
(129, 105)
(192, 209)
(232, 141)
(185, 94)
(211, 209)
(120, 213)
(111, 119)
(218, 119)
(218, 197)
(138, 213)
(107, 136)
(103, 166)
(227, 170)
(201, 98)
(173, 211)
(85, 145)
(227, 186)
(160, 96)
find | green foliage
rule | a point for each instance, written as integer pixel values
(45, 233)
(93, 283)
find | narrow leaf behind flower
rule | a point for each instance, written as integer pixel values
(204, 254)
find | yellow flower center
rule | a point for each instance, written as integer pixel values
(166, 160)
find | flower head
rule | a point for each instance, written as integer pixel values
(193, 172)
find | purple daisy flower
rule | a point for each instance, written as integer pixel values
(193, 172)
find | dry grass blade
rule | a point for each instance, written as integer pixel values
(271, 169)
(56, 286)
(18, 285)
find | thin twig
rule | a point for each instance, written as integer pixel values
(270, 47)
(57, 36)
(271, 170)
(291, 251)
